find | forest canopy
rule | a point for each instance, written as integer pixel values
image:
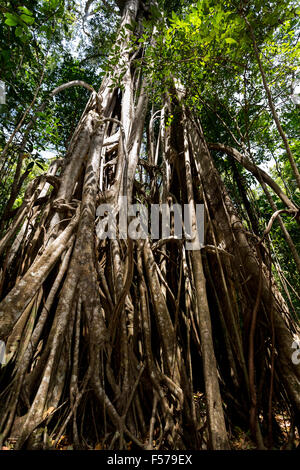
(122, 343)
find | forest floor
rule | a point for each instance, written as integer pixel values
(239, 439)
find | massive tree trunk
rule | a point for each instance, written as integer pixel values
(108, 341)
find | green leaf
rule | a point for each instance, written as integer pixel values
(11, 20)
(18, 31)
(230, 41)
(54, 3)
(26, 11)
(27, 19)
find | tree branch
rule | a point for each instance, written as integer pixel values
(256, 171)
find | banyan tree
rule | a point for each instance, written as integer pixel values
(112, 341)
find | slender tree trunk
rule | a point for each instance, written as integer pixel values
(272, 107)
